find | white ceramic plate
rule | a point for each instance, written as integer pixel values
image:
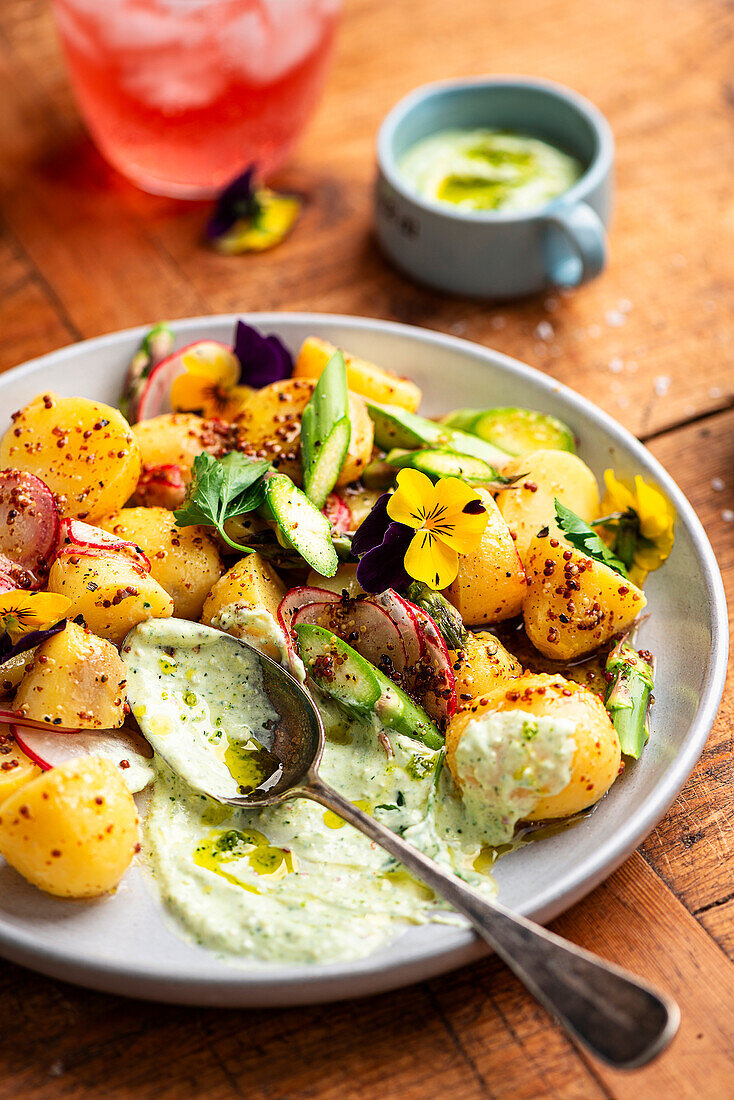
(124, 943)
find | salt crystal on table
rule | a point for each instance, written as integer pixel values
(616, 365)
(615, 318)
(727, 515)
(715, 391)
(624, 305)
(498, 322)
(594, 331)
(623, 401)
(662, 384)
(459, 328)
(632, 366)
(551, 305)
(56, 1069)
(544, 330)
(717, 484)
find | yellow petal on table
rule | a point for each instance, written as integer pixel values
(413, 499)
(275, 218)
(428, 559)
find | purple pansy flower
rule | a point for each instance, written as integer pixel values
(236, 201)
(381, 544)
(9, 648)
(264, 359)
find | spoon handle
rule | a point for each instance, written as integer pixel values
(617, 1017)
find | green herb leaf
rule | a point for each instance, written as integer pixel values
(221, 489)
(325, 431)
(584, 538)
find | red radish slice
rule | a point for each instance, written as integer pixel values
(403, 615)
(29, 521)
(123, 747)
(363, 625)
(75, 536)
(155, 396)
(12, 717)
(13, 576)
(434, 677)
(339, 514)
(161, 487)
(299, 597)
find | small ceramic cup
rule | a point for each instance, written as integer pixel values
(490, 254)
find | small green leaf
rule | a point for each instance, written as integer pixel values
(584, 538)
(221, 489)
(325, 431)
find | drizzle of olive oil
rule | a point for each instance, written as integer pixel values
(333, 821)
(234, 845)
(252, 766)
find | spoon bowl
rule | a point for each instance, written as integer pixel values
(616, 1016)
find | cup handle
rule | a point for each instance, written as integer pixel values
(574, 244)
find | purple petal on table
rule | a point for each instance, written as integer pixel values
(236, 201)
(383, 567)
(372, 530)
(9, 648)
(264, 359)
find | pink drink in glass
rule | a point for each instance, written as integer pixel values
(182, 95)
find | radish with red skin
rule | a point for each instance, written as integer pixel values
(299, 597)
(81, 538)
(29, 521)
(155, 396)
(436, 657)
(161, 487)
(339, 514)
(365, 626)
(50, 748)
(12, 717)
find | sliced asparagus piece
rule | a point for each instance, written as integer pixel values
(628, 697)
(300, 525)
(517, 431)
(444, 462)
(395, 427)
(325, 431)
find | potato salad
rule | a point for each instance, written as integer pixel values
(458, 595)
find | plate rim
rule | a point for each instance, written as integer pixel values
(322, 982)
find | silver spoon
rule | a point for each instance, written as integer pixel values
(620, 1019)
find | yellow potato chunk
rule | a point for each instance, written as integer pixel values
(252, 582)
(597, 758)
(359, 501)
(175, 439)
(490, 584)
(16, 769)
(344, 580)
(363, 377)
(572, 604)
(270, 424)
(547, 475)
(110, 592)
(83, 450)
(481, 665)
(75, 679)
(72, 831)
(13, 671)
(184, 560)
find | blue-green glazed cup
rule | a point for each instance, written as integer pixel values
(490, 254)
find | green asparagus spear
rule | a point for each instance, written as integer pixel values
(628, 697)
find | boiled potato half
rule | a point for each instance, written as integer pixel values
(490, 584)
(183, 560)
(363, 377)
(270, 424)
(110, 592)
(529, 505)
(75, 679)
(481, 665)
(73, 830)
(175, 439)
(245, 604)
(572, 604)
(597, 757)
(83, 450)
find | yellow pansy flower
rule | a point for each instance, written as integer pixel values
(209, 385)
(641, 533)
(449, 519)
(21, 611)
(274, 217)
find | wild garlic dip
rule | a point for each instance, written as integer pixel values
(488, 169)
(294, 883)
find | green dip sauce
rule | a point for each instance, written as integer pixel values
(488, 170)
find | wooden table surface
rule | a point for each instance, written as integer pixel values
(83, 253)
